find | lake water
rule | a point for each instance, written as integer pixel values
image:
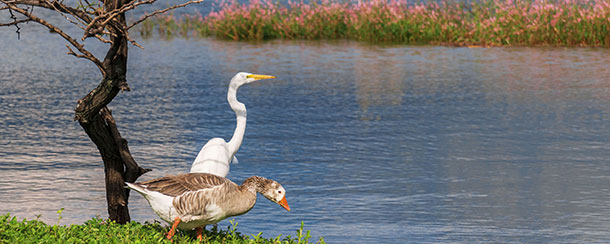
(374, 144)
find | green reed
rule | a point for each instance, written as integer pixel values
(487, 22)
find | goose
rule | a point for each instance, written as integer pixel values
(216, 154)
(194, 200)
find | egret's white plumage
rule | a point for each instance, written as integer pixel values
(216, 155)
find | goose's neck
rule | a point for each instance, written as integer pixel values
(242, 200)
(254, 184)
(240, 113)
(248, 191)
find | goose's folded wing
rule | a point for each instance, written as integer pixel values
(176, 185)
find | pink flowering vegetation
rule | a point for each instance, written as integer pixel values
(487, 22)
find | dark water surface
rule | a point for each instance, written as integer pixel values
(374, 144)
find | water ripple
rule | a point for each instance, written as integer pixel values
(374, 144)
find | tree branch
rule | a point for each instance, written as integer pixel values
(81, 48)
(162, 11)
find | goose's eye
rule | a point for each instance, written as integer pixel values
(280, 192)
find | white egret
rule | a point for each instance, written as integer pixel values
(216, 155)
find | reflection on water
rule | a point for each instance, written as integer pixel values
(374, 144)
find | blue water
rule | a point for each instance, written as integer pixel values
(374, 144)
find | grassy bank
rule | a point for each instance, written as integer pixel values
(101, 231)
(486, 22)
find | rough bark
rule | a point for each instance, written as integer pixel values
(98, 131)
(119, 166)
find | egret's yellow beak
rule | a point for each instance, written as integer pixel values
(284, 204)
(261, 77)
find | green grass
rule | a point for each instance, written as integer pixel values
(99, 230)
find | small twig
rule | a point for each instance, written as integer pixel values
(162, 11)
(66, 17)
(132, 41)
(99, 37)
(15, 22)
(71, 52)
(18, 31)
(89, 6)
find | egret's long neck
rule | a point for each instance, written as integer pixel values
(240, 113)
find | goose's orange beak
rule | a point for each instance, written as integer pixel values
(284, 204)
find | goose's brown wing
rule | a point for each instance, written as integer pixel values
(175, 185)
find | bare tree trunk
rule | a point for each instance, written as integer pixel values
(100, 126)
(116, 195)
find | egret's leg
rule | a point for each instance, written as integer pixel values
(200, 233)
(172, 231)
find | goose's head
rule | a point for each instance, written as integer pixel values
(275, 193)
(245, 78)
